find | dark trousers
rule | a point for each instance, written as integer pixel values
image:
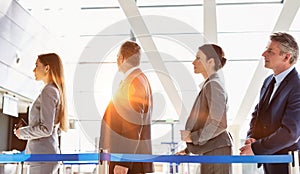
(274, 168)
(133, 167)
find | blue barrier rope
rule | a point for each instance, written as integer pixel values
(201, 159)
(82, 157)
(93, 158)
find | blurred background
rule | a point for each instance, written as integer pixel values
(87, 35)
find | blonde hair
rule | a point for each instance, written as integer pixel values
(57, 78)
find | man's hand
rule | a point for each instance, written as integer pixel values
(250, 140)
(120, 169)
(246, 149)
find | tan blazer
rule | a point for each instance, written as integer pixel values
(126, 124)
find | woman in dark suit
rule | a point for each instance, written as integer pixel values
(205, 130)
(47, 115)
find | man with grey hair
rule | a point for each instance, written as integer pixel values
(275, 124)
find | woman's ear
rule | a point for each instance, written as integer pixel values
(47, 68)
(211, 61)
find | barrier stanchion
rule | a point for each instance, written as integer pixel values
(180, 168)
(19, 169)
(294, 166)
(102, 167)
(174, 167)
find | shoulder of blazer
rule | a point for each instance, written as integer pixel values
(50, 90)
(214, 80)
(137, 73)
(290, 75)
(134, 73)
(293, 74)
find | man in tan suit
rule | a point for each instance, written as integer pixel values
(125, 127)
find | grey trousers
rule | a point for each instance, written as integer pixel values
(43, 168)
(222, 168)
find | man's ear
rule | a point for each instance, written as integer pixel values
(287, 57)
(122, 60)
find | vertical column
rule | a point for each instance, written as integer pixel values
(294, 166)
(210, 20)
(235, 133)
(102, 167)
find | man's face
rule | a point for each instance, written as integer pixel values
(120, 59)
(273, 58)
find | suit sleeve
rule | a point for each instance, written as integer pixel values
(216, 121)
(251, 130)
(288, 132)
(44, 119)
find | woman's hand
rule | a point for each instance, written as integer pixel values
(186, 136)
(182, 152)
(17, 133)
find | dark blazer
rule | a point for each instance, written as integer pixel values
(126, 124)
(277, 128)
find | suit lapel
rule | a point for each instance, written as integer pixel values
(283, 84)
(265, 89)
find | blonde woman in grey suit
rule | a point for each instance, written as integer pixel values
(47, 115)
(205, 130)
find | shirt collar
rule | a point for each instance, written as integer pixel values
(282, 75)
(214, 75)
(128, 72)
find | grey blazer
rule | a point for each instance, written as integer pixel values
(207, 121)
(41, 132)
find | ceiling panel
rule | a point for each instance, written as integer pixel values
(296, 23)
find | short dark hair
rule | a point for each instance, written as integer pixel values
(131, 52)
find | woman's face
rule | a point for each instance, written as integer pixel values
(200, 63)
(40, 70)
